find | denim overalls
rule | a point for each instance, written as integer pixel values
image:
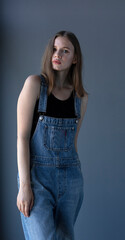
(56, 177)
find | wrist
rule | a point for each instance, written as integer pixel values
(24, 184)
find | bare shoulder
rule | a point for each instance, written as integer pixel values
(30, 91)
(26, 103)
(32, 84)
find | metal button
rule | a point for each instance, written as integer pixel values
(77, 121)
(41, 118)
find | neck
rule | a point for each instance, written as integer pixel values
(61, 79)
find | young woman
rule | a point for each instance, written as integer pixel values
(50, 111)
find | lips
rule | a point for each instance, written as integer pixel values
(56, 61)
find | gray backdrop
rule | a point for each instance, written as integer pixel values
(99, 25)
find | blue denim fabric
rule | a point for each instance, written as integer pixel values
(56, 176)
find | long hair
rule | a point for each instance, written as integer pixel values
(75, 71)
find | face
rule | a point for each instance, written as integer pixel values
(63, 54)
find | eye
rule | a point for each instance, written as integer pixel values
(65, 51)
(54, 49)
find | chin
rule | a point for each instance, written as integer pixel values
(57, 69)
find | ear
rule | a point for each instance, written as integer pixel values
(74, 60)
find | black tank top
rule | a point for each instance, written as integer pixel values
(55, 108)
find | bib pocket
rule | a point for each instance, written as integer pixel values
(58, 138)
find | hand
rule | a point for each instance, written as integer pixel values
(25, 200)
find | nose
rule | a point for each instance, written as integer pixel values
(58, 54)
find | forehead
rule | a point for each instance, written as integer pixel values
(63, 42)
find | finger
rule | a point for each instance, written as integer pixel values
(31, 204)
(22, 205)
(18, 205)
(26, 210)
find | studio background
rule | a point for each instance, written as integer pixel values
(26, 27)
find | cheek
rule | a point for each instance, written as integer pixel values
(70, 60)
(52, 56)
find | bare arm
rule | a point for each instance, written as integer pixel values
(25, 109)
(83, 110)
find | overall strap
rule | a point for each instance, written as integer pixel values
(43, 95)
(43, 99)
(77, 102)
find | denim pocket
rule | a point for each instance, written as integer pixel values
(58, 138)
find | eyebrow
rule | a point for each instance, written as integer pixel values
(64, 47)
